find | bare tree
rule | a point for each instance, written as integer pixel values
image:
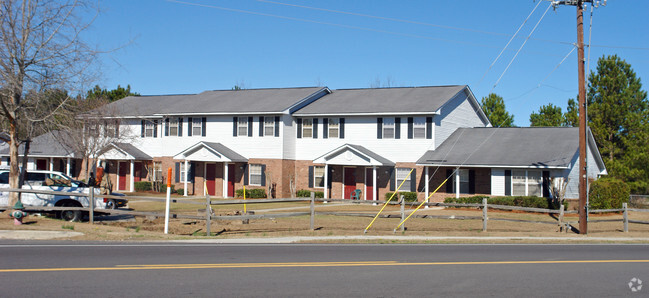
(40, 50)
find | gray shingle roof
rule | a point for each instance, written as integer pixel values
(213, 102)
(227, 152)
(370, 153)
(133, 151)
(382, 100)
(46, 145)
(552, 147)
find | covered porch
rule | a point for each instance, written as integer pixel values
(126, 163)
(215, 166)
(354, 168)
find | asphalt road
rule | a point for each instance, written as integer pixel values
(59, 269)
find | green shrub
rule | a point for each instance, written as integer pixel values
(180, 191)
(408, 196)
(608, 193)
(142, 186)
(255, 193)
(520, 201)
(305, 193)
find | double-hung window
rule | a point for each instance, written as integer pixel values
(527, 183)
(269, 126)
(334, 128)
(255, 174)
(419, 128)
(388, 128)
(182, 172)
(242, 126)
(148, 129)
(197, 126)
(318, 176)
(157, 171)
(402, 175)
(464, 181)
(307, 128)
(173, 127)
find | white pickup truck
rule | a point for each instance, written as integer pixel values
(42, 180)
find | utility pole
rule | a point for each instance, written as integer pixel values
(583, 166)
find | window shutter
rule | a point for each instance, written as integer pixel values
(411, 122)
(263, 175)
(190, 125)
(143, 124)
(155, 128)
(314, 130)
(250, 126)
(413, 181)
(449, 182)
(245, 175)
(261, 126)
(546, 184)
(508, 182)
(429, 127)
(192, 172)
(180, 126)
(392, 182)
(277, 126)
(167, 127)
(325, 128)
(204, 126)
(235, 121)
(299, 128)
(342, 128)
(177, 172)
(397, 128)
(472, 181)
(310, 176)
(379, 128)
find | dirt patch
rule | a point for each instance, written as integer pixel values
(142, 228)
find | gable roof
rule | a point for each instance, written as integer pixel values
(131, 150)
(45, 145)
(528, 147)
(214, 148)
(368, 156)
(221, 102)
(387, 101)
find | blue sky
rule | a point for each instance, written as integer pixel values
(189, 46)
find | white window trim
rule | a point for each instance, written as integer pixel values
(466, 171)
(315, 185)
(182, 172)
(398, 181)
(197, 123)
(174, 123)
(243, 122)
(305, 127)
(389, 122)
(270, 125)
(330, 127)
(527, 182)
(250, 174)
(419, 123)
(148, 128)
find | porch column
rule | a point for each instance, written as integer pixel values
(186, 170)
(426, 184)
(67, 167)
(132, 180)
(225, 179)
(51, 163)
(457, 183)
(326, 178)
(375, 189)
(204, 180)
(117, 174)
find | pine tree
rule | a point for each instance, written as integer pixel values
(494, 107)
(548, 115)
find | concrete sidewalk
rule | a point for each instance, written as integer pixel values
(297, 239)
(36, 235)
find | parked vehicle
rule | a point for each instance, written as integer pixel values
(57, 181)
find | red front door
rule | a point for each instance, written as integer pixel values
(231, 176)
(369, 184)
(210, 176)
(123, 171)
(350, 182)
(41, 164)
